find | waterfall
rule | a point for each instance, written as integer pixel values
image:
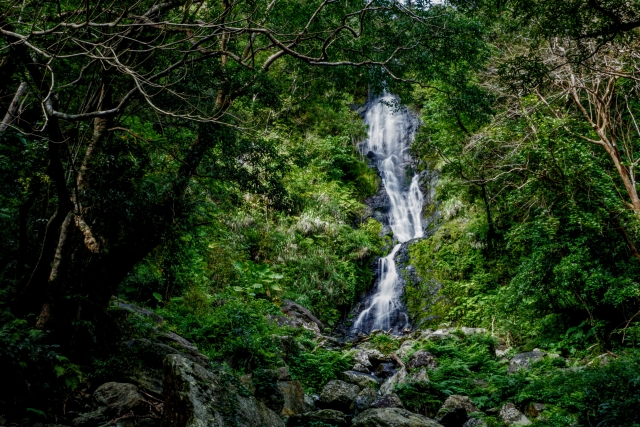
(390, 136)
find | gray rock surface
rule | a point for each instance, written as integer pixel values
(112, 400)
(391, 383)
(301, 317)
(524, 360)
(418, 376)
(392, 417)
(327, 416)
(196, 397)
(422, 358)
(338, 395)
(510, 415)
(475, 422)
(294, 398)
(361, 379)
(455, 411)
(363, 400)
(387, 401)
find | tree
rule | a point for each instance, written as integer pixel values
(143, 104)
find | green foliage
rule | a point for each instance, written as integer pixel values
(257, 279)
(35, 375)
(228, 328)
(384, 343)
(315, 367)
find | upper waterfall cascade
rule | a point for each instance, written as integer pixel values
(389, 138)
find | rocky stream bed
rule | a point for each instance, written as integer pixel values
(179, 386)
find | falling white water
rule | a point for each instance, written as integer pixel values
(389, 137)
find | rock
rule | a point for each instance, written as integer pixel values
(293, 396)
(510, 415)
(363, 400)
(185, 347)
(387, 401)
(534, 409)
(475, 422)
(390, 384)
(455, 411)
(369, 358)
(131, 308)
(405, 349)
(360, 368)
(440, 334)
(385, 370)
(457, 401)
(523, 360)
(196, 397)
(392, 417)
(419, 376)
(330, 343)
(112, 400)
(301, 317)
(422, 358)
(502, 352)
(338, 395)
(150, 374)
(283, 374)
(118, 398)
(360, 379)
(309, 404)
(325, 416)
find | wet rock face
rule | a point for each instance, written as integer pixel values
(296, 316)
(392, 417)
(338, 395)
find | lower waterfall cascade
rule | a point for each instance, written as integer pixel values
(390, 134)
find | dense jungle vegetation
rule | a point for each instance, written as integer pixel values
(199, 159)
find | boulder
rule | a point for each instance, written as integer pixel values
(455, 411)
(112, 400)
(523, 360)
(359, 367)
(387, 401)
(390, 384)
(422, 358)
(392, 417)
(150, 374)
(301, 317)
(196, 397)
(325, 416)
(363, 400)
(338, 395)
(309, 404)
(475, 422)
(419, 376)
(293, 397)
(361, 379)
(510, 415)
(405, 349)
(283, 374)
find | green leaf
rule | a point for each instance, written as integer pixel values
(157, 296)
(237, 289)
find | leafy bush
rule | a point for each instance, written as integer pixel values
(317, 367)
